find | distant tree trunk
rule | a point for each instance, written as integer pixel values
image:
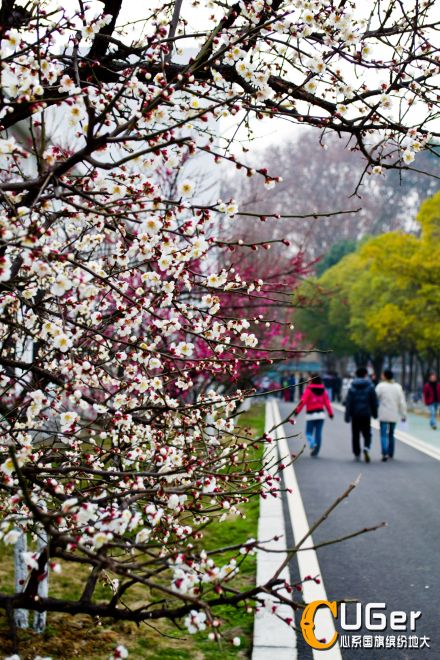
(329, 361)
(404, 381)
(39, 624)
(21, 575)
(411, 371)
(360, 358)
(21, 617)
(377, 361)
(430, 362)
(423, 366)
(416, 373)
(342, 365)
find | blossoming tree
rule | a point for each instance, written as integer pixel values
(111, 289)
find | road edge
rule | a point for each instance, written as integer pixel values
(272, 637)
(307, 557)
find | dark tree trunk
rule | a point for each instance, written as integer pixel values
(423, 366)
(404, 380)
(329, 361)
(411, 372)
(360, 358)
(342, 365)
(377, 361)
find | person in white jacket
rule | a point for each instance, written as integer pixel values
(392, 407)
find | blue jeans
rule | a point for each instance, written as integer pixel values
(387, 438)
(314, 433)
(433, 412)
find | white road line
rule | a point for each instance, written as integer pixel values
(415, 443)
(407, 438)
(307, 558)
(273, 639)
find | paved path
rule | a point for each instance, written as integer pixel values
(398, 565)
(418, 425)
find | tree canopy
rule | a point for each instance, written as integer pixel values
(383, 298)
(319, 172)
(335, 254)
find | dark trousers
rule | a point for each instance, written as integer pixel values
(360, 425)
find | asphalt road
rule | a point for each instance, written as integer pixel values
(398, 565)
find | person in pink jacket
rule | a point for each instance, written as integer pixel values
(316, 401)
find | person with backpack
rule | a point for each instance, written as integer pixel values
(392, 407)
(316, 401)
(360, 406)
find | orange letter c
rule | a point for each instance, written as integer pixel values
(308, 624)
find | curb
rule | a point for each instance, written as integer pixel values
(307, 558)
(273, 639)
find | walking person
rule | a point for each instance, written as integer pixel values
(328, 380)
(392, 407)
(346, 384)
(292, 385)
(360, 406)
(300, 385)
(431, 397)
(337, 387)
(316, 401)
(284, 394)
(265, 386)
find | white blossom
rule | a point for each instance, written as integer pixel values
(12, 537)
(195, 621)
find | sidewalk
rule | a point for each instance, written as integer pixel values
(418, 426)
(273, 638)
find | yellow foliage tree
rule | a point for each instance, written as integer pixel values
(384, 299)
